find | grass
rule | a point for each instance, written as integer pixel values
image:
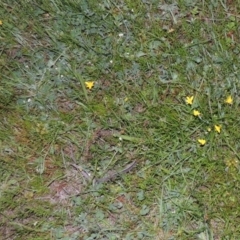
(152, 64)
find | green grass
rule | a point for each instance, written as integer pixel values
(145, 58)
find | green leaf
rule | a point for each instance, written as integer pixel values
(145, 210)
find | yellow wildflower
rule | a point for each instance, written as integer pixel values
(41, 128)
(189, 100)
(202, 141)
(196, 113)
(209, 129)
(232, 163)
(217, 128)
(1, 22)
(229, 100)
(89, 84)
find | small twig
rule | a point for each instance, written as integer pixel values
(114, 174)
(25, 227)
(109, 176)
(21, 225)
(83, 172)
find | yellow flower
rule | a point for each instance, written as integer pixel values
(217, 128)
(89, 84)
(41, 128)
(232, 163)
(196, 113)
(202, 141)
(229, 100)
(209, 129)
(189, 100)
(1, 22)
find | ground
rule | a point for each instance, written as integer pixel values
(119, 120)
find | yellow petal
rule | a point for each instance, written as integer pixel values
(229, 100)
(232, 163)
(196, 113)
(202, 141)
(89, 84)
(217, 128)
(189, 100)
